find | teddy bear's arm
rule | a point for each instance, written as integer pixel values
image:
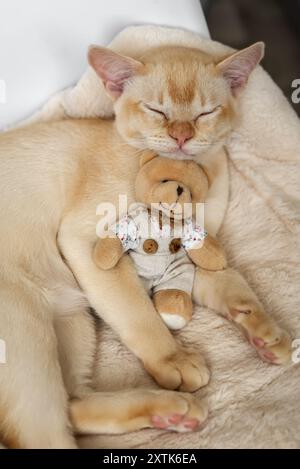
(122, 237)
(107, 252)
(209, 255)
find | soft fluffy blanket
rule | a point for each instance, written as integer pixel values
(252, 404)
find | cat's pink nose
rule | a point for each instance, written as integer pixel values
(181, 132)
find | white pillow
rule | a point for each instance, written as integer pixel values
(43, 43)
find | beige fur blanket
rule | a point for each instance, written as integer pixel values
(252, 404)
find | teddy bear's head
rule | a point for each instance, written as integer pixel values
(171, 186)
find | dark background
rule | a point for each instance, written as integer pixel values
(239, 23)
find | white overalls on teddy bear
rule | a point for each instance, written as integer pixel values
(157, 244)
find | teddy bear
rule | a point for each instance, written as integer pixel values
(161, 236)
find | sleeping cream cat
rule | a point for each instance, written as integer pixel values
(182, 104)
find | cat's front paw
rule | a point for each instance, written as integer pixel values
(183, 370)
(272, 343)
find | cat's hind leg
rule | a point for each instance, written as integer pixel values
(228, 293)
(33, 403)
(127, 411)
(76, 336)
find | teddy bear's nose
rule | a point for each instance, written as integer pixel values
(179, 190)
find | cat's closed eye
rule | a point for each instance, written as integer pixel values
(155, 110)
(207, 113)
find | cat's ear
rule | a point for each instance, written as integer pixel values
(114, 69)
(237, 68)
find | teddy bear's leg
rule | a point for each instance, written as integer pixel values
(172, 295)
(174, 306)
(228, 292)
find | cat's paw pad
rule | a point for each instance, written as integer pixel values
(175, 422)
(183, 420)
(278, 351)
(272, 344)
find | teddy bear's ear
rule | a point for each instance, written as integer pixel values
(146, 157)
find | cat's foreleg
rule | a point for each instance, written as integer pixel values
(94, 412)
(117, 295)
(228, 293)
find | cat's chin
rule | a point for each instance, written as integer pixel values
(177, 155)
